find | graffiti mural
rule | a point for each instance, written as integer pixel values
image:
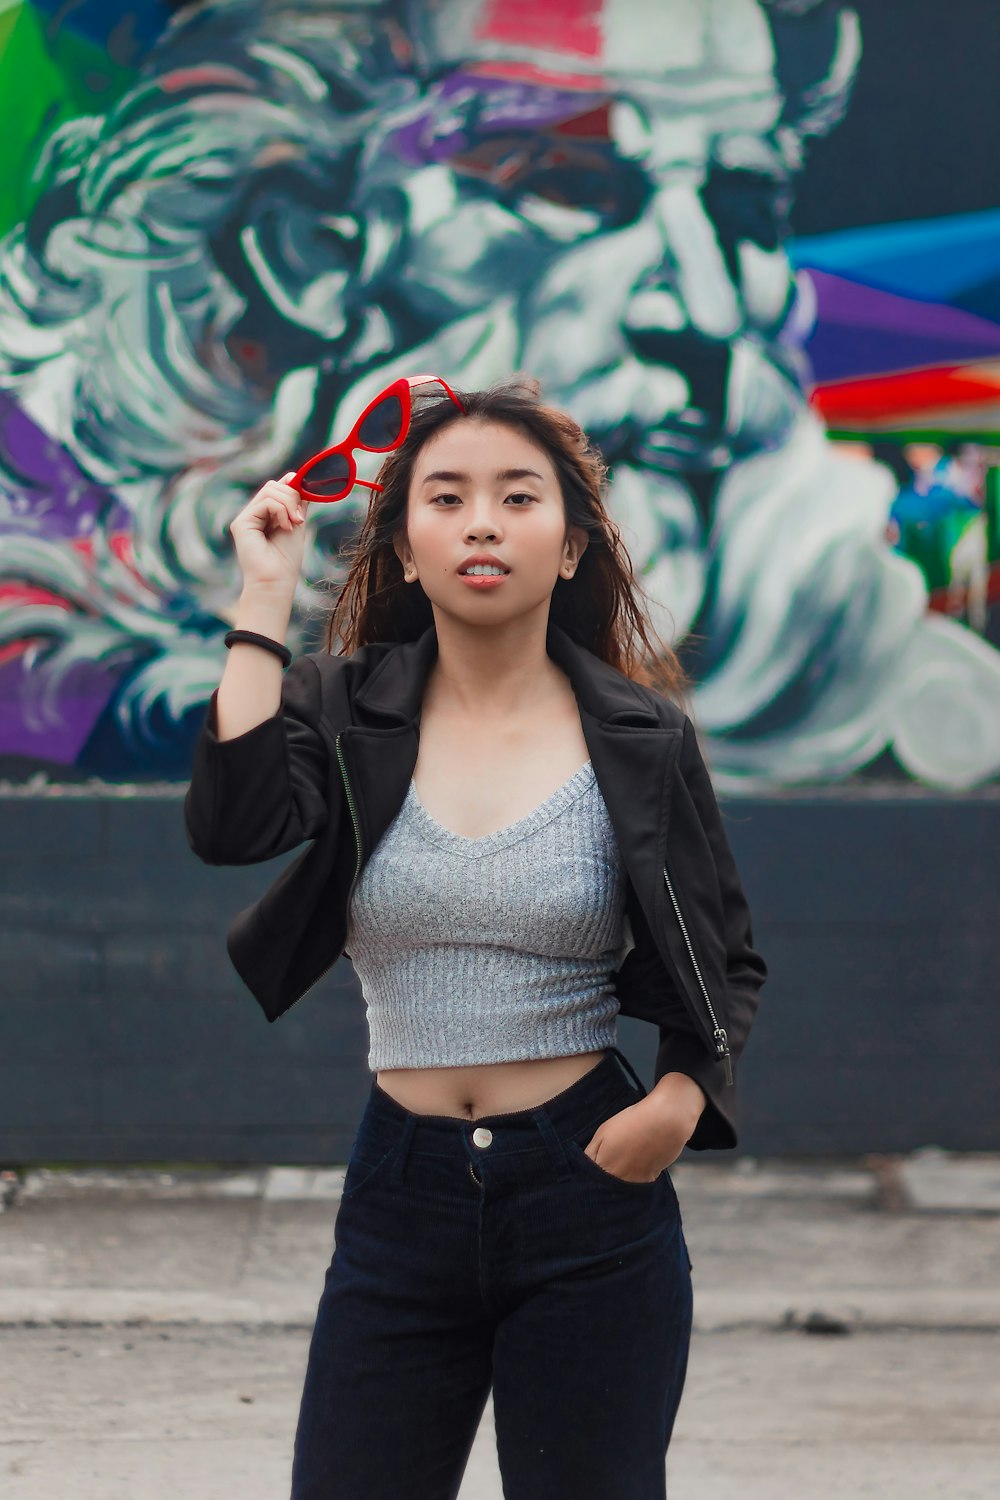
(229, 223)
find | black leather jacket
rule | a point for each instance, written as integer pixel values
(333, 765)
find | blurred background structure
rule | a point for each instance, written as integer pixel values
(753, 245)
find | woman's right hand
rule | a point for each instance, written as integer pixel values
(270, 536)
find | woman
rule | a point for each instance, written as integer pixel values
(515, 840)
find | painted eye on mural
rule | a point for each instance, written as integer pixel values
(584, 178)
(747, 205)
(616, 196)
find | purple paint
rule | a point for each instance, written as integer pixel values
(54, 498)
(82, 699)
(48, 495)
(861, 330)
(467, 106)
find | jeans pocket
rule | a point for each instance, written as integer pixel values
(367, 1161)
(594, 1169)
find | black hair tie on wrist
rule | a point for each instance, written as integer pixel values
(254, 639)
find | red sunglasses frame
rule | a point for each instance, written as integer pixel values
(400, 388)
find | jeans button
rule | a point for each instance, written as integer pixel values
(482, 1136)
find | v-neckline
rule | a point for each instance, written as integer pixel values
(502, 837)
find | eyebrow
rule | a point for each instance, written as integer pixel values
(453, 476)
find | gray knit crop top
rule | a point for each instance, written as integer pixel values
(493, 949)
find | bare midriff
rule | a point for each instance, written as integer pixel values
(467, 1093)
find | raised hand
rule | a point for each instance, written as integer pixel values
(269, 536)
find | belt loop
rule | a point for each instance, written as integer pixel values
(397, 1168)
(550, 1136)
(630, 1070)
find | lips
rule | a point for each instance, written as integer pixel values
(483, 582)
(482, 560)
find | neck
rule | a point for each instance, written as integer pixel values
(498, 670)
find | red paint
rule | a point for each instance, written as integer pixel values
(941, 600)
(554, 25)
(120, 547)
(524, 72)
(23, 594)
(848, 401)
(27, 593)
(201, 76)
(593, 124)
(120, 543)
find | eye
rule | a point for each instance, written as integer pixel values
(744, 204)
(520, 497)
(436, 498)
(604, 194)
(568, 181)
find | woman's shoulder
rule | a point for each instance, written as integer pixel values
(604, 688)
(648, 699)
(341, 677)
(357, 664)
(671, 713)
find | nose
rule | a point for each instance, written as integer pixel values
(685, 313)
(481, 526)
(690, 298)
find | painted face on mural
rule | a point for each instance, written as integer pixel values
(619, 231)
(637, 226)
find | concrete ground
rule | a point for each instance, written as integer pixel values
(155, 1328)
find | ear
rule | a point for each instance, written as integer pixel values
(401, 547)
(575, 545)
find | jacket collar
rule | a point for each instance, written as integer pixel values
(395, 687)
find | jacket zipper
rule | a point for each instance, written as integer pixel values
(719, 1032)
(357, 861)
(354, 820)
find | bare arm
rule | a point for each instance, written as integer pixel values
(260, 767)
(250, 689)
(269, 535)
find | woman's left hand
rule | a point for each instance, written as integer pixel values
(642, 1140)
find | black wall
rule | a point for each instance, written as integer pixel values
(125, 1035)
(921, 135)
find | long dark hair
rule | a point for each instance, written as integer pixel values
(602, 606)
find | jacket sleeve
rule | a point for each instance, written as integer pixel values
(265, 791)
(679, 1050)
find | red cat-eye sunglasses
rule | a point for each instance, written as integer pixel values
(381, 427)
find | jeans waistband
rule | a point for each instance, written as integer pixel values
(611, 1080)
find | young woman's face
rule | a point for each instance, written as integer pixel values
(483, 487)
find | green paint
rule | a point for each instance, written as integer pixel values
(993, 514)
(989, 437)
(43, 82)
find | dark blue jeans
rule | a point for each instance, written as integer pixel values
(471, 1254)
